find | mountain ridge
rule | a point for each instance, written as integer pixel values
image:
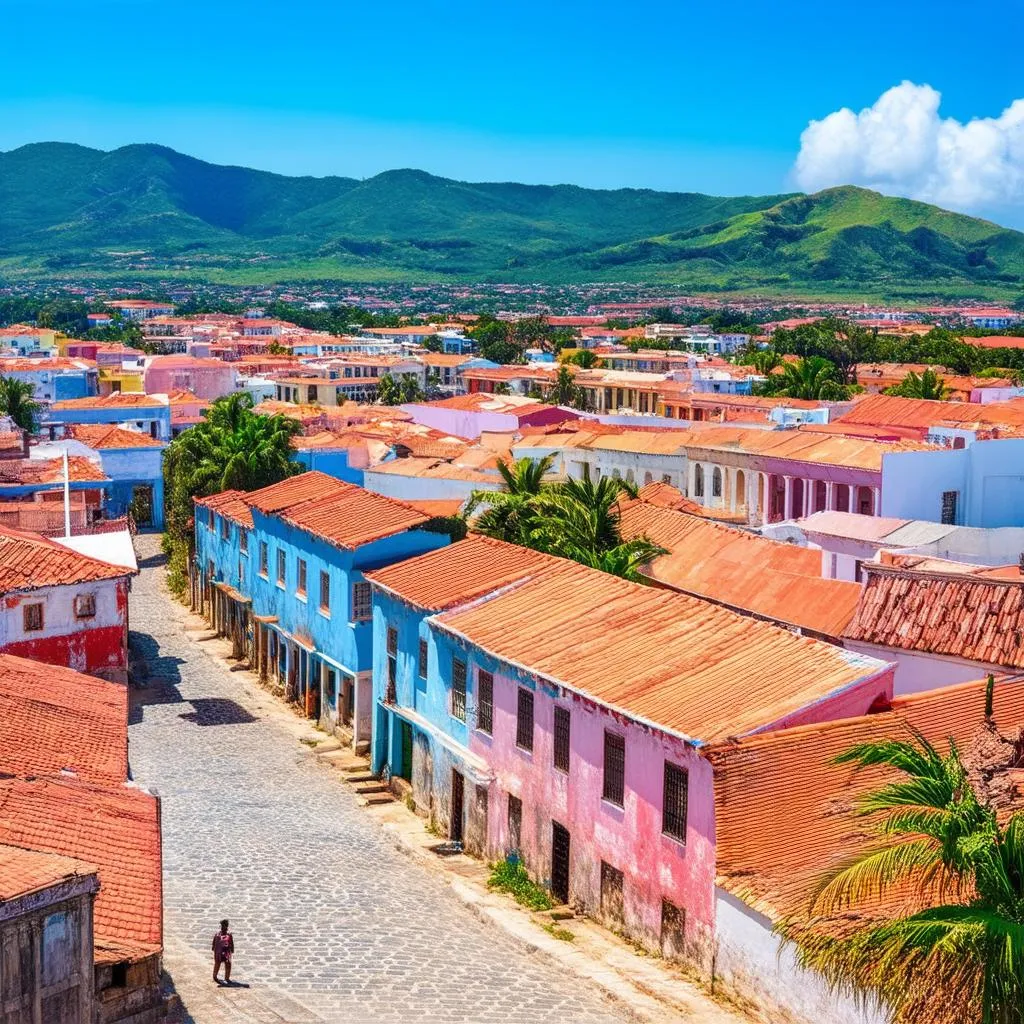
(70, 209)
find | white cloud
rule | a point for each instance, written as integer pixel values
(902, 146)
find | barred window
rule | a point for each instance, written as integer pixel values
(423, 659)
(614, 768)
(485, 701)
(33, 617)
(243, 540)
(225, 528)
(264, 559)
(562, 739)
(281, 563)
(524, 720)
(674, 801)
(362, 602)
(459, 689)
(85, 606)
(325, 592)
(300, 586)
(392, 641)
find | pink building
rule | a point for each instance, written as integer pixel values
(205, 378)
(471, 415)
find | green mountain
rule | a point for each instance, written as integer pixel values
(70, 210)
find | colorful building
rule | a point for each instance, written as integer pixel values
(148, 413)
(205, 378)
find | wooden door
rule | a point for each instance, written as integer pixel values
(458, 807)
(559, 862)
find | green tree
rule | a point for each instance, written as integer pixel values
(17, 400)
(510, 514)
(583, 358)
(409, 389)
(388, 390)
(927, 384)
(233, 448)
(960, 960)
(764, 360)
(812, 378)
(564, 391)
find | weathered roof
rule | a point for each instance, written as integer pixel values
(681, 663)
(741, 570)
(293, 491)
(23, 872)
(892, 410)
(102, 436)
(58, 720)
(115, 400)
(231, 505)
(465, 570)
(963, 616)
(115, 828)
(28, 560)
(28, 472)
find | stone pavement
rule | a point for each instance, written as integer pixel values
(331, 922)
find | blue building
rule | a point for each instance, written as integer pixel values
(148, 413)
(282, 571)
(55, 379)
(134, 463)
(344, 458)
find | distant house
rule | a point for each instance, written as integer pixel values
(29, 341)
(148, 413)
(205, 378)
(53, 379)
(140, 309)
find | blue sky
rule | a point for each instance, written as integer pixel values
(676, 95)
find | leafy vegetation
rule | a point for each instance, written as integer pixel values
(577, 519)
(510, 876)
(17, 401)
(927, 384)
(65, 208)
(233, 449)
(812, 378)
(960, 959)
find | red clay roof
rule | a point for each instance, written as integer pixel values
(231, 505)
(742, 570)
(352, 516)
(460, 572)
(81, 469)
(55, 719)
(115, 828)
(962, 616)
(293, 491)
(102, 436)
(27, 871)
(115, 400)
(28, 561)
(891, 410)
(666, 496)
(783, 808)
(684, 664)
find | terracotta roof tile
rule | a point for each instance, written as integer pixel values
(461, 572)
(230, 504)
(742, 570)
(116, 400)
(115, 828)
(55, 719)
(681, 663)
(666, 496)
(28, 561)
(27, 871)
(891, 410)
(81, 469)
(102, 436)
(294, 491)
(977, 618)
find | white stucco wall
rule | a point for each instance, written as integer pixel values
(916, 672)
(750, 960)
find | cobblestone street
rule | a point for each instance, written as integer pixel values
(331, 921)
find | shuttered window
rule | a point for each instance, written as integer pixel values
(614, 768)
(485, 701)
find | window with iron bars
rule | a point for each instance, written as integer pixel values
(485, 701)
(423, 659)
(524, 720)
(459, 689)
(391, 696)
(562, 739)
(614, 786)
(674, 801)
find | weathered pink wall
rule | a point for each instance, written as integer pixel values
(654, 866)
(203, 381)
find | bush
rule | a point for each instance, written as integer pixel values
(511, 877)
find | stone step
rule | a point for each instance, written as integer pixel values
(328, 745)
(561, 914)
(355, 778)
(358, 766)
(375, 799)
(365, 788)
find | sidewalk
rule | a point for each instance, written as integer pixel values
(650, 988)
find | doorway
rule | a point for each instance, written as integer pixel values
(559, 862)
(405, 732)
(458, 806)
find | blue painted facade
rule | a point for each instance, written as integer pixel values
(332, 461)
(322, 657)
(129, 468)
(154, 420)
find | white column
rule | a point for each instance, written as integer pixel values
(829, 494)
(851, 501)
(709, 483)
(787, 512)
(806, 503)
(691, 477)
(876, 504)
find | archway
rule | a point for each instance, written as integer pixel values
(698, 481)
(740, 490)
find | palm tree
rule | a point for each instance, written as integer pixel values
(388, 390)
(624, 559)
(581, 517)
(17, 400)
(764, 360)
(927, 384)
(509, 514)
(960, 960)
(564, 391)
(812, 378)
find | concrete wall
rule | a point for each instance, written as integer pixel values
(413, 488)
(332, 461)
(129, 468)
(989, 476)
(916, 671)
(752, 962)
(139, 418)
(207, 382)
(95, 645)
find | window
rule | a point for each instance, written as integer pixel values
(613, 789)
(243, 541)
(391, 646)
(264, 560)
(515, 823)
(459, 689)
(300, 586)
(485, 701)
(423, 659)
(33, 617)
(524, 720)
(362, 603)
(85, 606)
(562, 739)
(325, 592)
(674, 799)
(225, 528)
(949, 501)
(209, 513)
(281, 560)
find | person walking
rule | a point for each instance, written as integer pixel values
(223, 947)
